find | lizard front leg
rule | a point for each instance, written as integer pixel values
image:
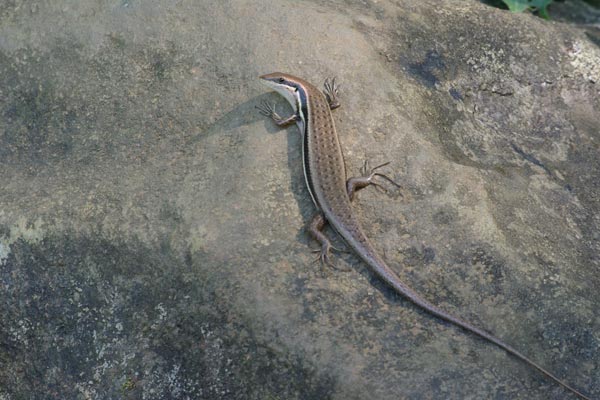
(331, 93)
(268, 110)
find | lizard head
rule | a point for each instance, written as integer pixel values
(286, 85)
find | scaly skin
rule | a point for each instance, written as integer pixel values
(325, 174)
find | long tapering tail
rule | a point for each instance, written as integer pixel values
(368, 254)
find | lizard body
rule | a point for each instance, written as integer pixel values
(325, 175)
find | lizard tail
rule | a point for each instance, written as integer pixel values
(392, 279)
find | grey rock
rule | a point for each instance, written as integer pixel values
(151, 221)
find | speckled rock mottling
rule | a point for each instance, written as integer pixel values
(152, 239)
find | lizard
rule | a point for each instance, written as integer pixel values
(332, 193)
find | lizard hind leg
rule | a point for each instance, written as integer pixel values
(354, 184)
(315, 228)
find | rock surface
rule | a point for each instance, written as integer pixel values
(152, 240)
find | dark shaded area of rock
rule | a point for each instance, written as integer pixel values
(104, 319)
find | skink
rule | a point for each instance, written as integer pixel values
(331, 192)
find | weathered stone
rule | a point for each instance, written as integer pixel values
(151, 221)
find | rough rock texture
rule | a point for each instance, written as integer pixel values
(151, 221)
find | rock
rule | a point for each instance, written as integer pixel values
(152, 238)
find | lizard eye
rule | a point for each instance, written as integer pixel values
(281, 80)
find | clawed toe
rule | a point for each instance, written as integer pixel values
(331, 87)
(387, 178)
(372, 173)
(368, 178)
(325, 256)
(331, 92)
(267, 109)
